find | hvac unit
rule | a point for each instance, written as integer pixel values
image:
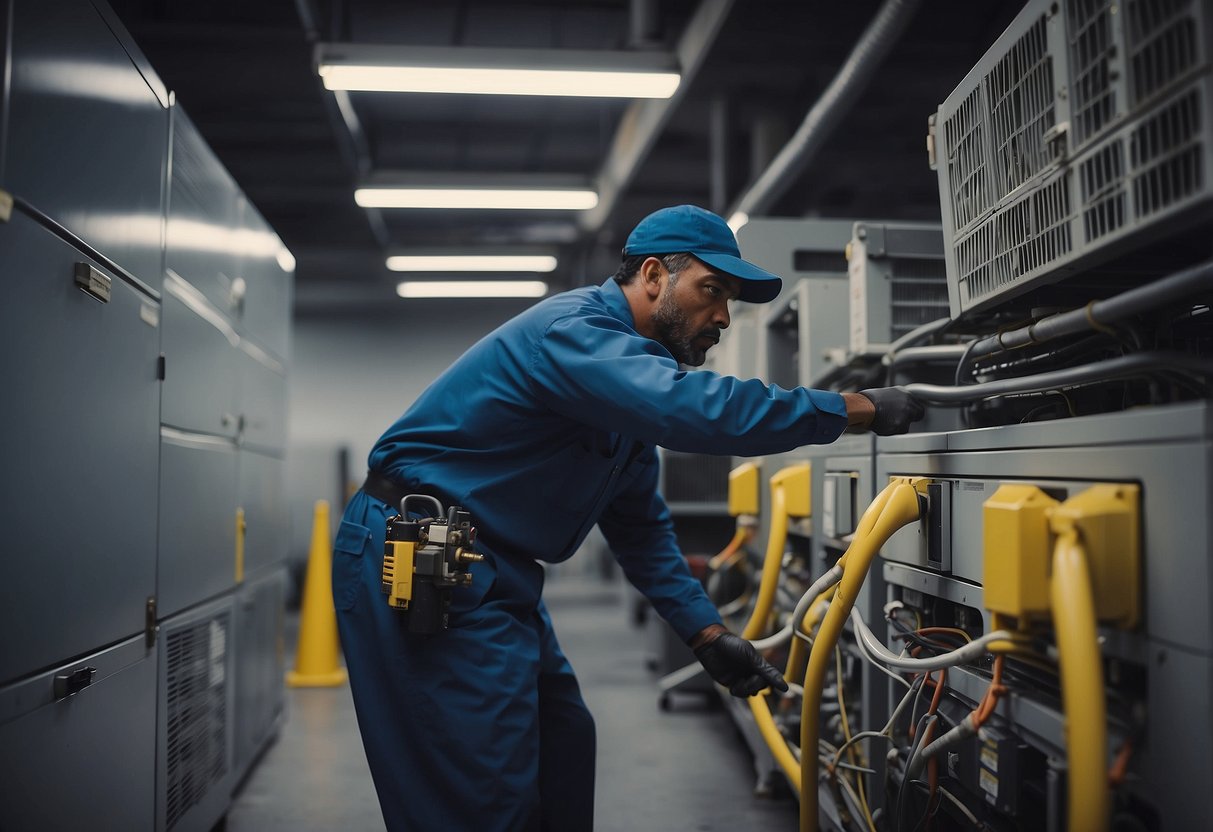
(1083, 132)
(898, 282)
(804, 330)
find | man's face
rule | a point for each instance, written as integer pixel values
(692, 310)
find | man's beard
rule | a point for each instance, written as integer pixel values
(674, 331)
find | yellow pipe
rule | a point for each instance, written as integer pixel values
(1082, 688)
(898, 504)
(775, 741)
(771, 563)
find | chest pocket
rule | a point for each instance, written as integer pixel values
(575, 477)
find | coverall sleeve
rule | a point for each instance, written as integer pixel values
(638, 528)
(597, 370)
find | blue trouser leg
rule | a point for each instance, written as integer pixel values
(459, 727)
(567, 741)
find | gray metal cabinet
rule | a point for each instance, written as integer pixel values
(199, 391)
(78, 498)
(260, 665)
(194, 730)
(261, 493)
(202, 242)
(262, 399)
(268, 271)
(197, 520)
(84, 759)
(87, 133)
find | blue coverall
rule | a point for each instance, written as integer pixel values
(543, 428)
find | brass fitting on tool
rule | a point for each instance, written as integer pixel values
(466, 556)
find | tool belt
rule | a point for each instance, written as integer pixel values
(385, 490)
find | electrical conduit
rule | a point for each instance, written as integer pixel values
(1082, 689)
(898, 506)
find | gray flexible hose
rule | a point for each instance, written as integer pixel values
(1128, 365)
(1152, 295)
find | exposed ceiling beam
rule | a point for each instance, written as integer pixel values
(643, 121)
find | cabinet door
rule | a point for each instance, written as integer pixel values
(264, 503)
(260, 665)
(80, 445)
(200, 392)
(263, 400)
(87, 133)
(197, 520)
(266, 316)
(85, 760)
(203, 242)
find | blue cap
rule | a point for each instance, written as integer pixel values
(689, 228)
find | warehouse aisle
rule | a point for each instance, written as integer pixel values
(682, 770)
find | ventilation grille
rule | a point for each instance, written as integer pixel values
(1021, 238)
(965, 137)
(698, 478)
(919, 293)
(807, 260)
(1166, 156)
(1102, 178)
(1020, 92)
(1162, 44)
(196, 754)
(1091, 52)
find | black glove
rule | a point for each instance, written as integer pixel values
(733, 662)
(895, 410)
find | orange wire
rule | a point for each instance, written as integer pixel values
(1120, 766)
(989, 702)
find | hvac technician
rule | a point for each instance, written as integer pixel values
(545, 427)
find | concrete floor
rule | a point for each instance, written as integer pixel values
(686, 769)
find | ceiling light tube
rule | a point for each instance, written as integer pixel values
(503, 81)
(503, 198)
(472, 263)
(472, 289)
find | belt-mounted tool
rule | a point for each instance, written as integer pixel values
(425, 559)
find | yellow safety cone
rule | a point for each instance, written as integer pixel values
(317, 662)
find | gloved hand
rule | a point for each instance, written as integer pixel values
(733, 662)
(895, 410)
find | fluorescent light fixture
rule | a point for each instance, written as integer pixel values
(472, 263)
(562, 199)
(472, 289)
(486, 81)
(738, 219)
(595, 73)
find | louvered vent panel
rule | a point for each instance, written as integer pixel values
(919, 293)
(196, 753)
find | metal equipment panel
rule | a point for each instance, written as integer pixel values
(261, 495)
(199, 390)
(198, 520)
(87, 133)
(806, 331)
(78, 744)
(194, 732)
(204, 239)
(80, 449)
(1172, 462)
(260, 666)
(268, 271)
(262, 399)
(898, 282)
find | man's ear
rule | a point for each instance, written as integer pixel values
(652, 275)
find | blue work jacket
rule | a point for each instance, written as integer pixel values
(550, 423)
